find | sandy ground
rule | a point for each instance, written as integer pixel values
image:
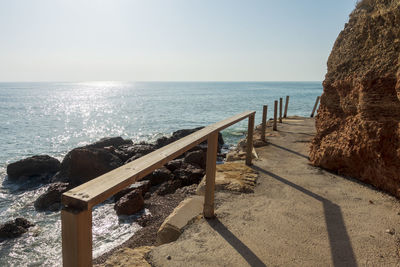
(299, 215)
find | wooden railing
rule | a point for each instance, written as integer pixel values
(76, 215)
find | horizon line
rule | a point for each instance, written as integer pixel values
(160, 81)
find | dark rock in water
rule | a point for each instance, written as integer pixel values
(130, 203)
(143, 186)
(39, 167)
(163, 141)
(16, 228)
(136, 150)
(135, 157)
(51, 199)
(202, 146)
(23, 222)
(110, 141)
(169, 187)
(130, 153)
(159, 176)
(189, 174)
(83, 164)
(139, 148)
(174, 164)
(197, 157)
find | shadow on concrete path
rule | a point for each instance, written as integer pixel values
(238, 245)
(289, 150)
(308, 134)
(340, 244)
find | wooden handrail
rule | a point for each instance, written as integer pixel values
(78, 202)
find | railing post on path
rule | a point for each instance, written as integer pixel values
(249, 147)
(286, 106)
(315, 106)
(264, 122)
(76, 228)
(280, 110)
(211, 167)
(275, 114)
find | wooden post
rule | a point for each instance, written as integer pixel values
(76, 228)
(286, 106)
(211, 166)
(280, 110)
(264, 122)
(315, 106)
(275, 114)
(249, 147)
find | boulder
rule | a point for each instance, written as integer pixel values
(163, 141)
(128, 153)
(159, 176)
(16, 228)
(189, 174)
(143, 186)
(358, 121)
(130, 203)
(110, 141)
(51, 199)
(42, 167)
(134, 157)
(174, 164)
(197, 157)
(83, 164)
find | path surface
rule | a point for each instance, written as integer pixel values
(299, 215)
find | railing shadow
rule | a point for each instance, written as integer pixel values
(238, 245)
(340, 244)
(289, 150)
(289, 132)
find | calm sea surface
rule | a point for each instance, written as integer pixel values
(53, 118)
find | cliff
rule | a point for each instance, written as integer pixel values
(358, 119)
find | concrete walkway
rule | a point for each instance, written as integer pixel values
(299, 215)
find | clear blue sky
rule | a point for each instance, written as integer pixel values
(168, 40)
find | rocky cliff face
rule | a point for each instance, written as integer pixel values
(358, 119)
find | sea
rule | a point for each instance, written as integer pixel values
(54, 117)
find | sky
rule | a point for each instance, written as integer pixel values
(168, 40)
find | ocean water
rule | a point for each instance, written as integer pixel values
(53, 118)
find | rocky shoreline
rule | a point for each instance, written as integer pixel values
(160, 207)
(158, 192)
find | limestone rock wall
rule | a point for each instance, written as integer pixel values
(358, 119)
